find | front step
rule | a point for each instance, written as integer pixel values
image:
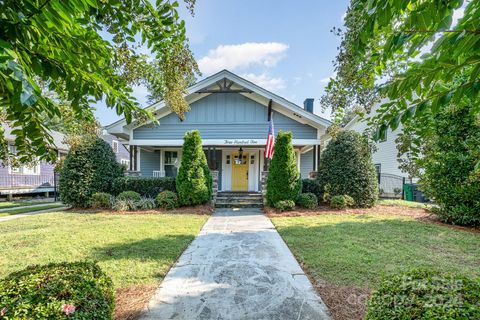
(239, 200)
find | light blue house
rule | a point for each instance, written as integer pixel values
(232, 115)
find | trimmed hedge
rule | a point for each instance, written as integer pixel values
(129, 195)
(341, 201)
(194, 181)
(145, 186)
(78, 290)
(307, 200)
(425, 294)
(283, 182)
(346, 167)
(89, 168)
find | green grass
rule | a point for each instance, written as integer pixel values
(356, 249)
(30, 209)
(132, 249)
(403, 203)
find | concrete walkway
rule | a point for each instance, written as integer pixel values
(237, 268)
(27, 214)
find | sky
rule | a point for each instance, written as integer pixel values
(284, 46)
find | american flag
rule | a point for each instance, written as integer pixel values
(270, 141)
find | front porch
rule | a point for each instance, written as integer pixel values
(239, 167)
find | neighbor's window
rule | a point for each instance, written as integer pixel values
(171, 163)
(33, 169)
(115, 146)
(378, 168)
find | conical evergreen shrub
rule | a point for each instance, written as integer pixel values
(194, 181)
(283, 182)
(346, 168)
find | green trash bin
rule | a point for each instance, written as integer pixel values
(408, 190)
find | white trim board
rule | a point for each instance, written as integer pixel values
(218, 142)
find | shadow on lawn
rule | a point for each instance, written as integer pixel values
(167, 247)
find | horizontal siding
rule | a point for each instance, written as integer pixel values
(306, 164)
(149, 161)
(224, 116)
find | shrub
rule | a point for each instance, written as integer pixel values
(145, 186)
(39, 292)
(146, 203)
(451, 168)
(341, 201)
(308, 200)
(89, 168)
(129, 195)
(424, 294)
(167, 200)
(349, 200)
(101, 200)
(283, 182)
(312, 186)
(194, 181)
(285, 205)
(346, 166)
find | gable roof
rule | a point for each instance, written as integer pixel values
(256, 93)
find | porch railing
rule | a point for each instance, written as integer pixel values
(158, 173)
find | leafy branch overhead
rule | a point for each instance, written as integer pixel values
(66, 45)
(381, 52)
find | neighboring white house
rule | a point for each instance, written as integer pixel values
(384, 158)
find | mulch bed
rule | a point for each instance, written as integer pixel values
(130, 302)
(420, 214)
(205, 209)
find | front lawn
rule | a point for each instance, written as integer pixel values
(353, 250)
(135, 250)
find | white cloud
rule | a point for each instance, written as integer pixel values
(265, 81)
(325, 80)
(237, 56)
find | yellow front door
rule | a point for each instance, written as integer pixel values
(240, 172)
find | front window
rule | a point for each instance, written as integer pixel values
(171, 163)
(115, 146)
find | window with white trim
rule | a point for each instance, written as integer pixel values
(115, 146)
(171, 163)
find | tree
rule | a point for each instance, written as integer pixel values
(194, 181)
(87, 169)
(451, 177)
(381, 49)
(346, 168)
(86, 51)
(283, 181)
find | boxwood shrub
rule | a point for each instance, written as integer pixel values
(101, 200)
(307, 200)
(312, 186)
(145, 186)
(129, 195)
(285, 205)
(167, 200)
(341, 201)
(425, 294)
(78, 290)
(346, 167)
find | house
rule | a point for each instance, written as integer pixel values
(391, 178)
(40, 177)
(232, 116)
(29, 179)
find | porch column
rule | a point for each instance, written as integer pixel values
(130, 150)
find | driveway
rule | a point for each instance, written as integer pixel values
(237, 268)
